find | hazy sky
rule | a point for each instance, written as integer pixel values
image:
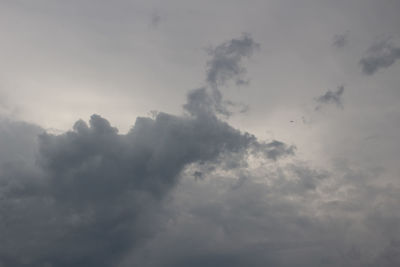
(199, 133)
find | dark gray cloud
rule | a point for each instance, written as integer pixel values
(86, 197)
(331, 97)
(186, 190)
(380, 55)
(89, 196)
(93, 196)
(340, 40)
(93, 192)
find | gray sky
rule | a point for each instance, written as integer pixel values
(250, 133)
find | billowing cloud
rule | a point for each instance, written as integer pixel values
(188, 190)
(88, 196)
(380, 55)
(331, 97)
(93, 197)
(91, 187)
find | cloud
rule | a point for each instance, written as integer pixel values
(380, 55)
(225, 64)
(90, 195)
(199, 101)
(331, 97)
(340, 40)
(186, 190)
(226, 60)
(93, 192)
(86, 197)
(277, 215)
(275, 149)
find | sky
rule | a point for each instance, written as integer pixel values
(199, 133)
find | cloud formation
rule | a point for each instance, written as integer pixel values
(226, 64)
(331, 97)
(90, 195)
(275, 149)
(190, 189)
(278, 215)
(380, 55)
(187, 190)
(226, 60)
(91, 186)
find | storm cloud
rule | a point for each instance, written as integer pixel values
(88, 196)
(234, 165)
(92, 188)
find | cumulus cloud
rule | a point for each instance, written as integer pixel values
(93, 197)
(331, 97)
(92, 187)
(187, 190)
(380, 55)
(88, 196)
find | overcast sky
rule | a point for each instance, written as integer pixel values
(199, 133)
